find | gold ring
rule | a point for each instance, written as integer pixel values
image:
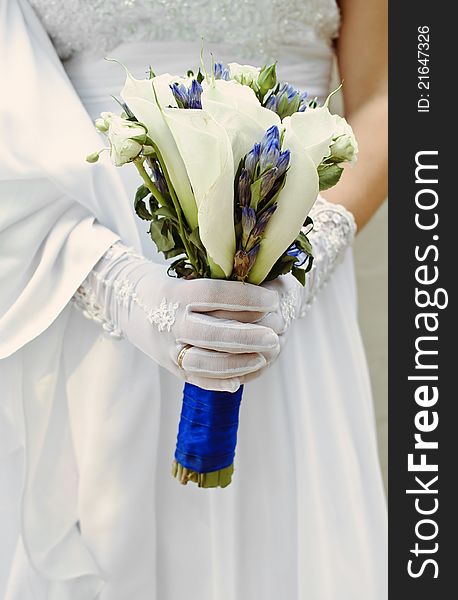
(181, 355)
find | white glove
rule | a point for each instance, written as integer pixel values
(333, 231)
(170, 319)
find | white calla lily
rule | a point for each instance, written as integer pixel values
(147, 98)
(293, 205)
(207, 155)
(236, 108)
(314, 128)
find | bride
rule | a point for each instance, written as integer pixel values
(90, 406)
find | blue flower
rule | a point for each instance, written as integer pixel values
(194, 94)
(221, 71)
(252, 160)
(180, 94)
(268, 179)
(270, 148)
(158, 177)
(301, 256)
(244, 188)
(261, 224)
(248, 222)
(286, 101)
(187, 98)
(283, 162)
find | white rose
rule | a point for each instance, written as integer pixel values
(345, 146)
(126, 138)
(244, 74)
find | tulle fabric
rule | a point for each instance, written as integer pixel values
(88, 423)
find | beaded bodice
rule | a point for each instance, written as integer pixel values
(257, 27)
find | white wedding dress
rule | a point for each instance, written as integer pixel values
(88, 508)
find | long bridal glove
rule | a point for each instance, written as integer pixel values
(333, 232)
(133, 298)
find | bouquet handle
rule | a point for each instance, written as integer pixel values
(207, 436)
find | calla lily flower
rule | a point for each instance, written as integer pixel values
(202, 141)
(236, 108)
(147, 98)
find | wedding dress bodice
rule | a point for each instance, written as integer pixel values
(257, 27)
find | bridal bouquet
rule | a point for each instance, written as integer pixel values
(231, 163)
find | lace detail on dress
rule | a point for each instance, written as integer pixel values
(288, 305)
(256, 28)
(333, 231)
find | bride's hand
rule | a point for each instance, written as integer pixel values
(176, 322)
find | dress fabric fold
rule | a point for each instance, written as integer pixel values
(88, 424)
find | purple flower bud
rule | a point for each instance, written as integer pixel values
(283, 162)
(269, 154)
(271, 103)
(187, 98)
(270, 136)
(252, 159)
(244, 261)
(180, 94)
(248, 222)
(194, 94)
(158, 177)
(244, 188)
(263, 220)
(221, 71)
(267, 182)
(270, 148)
(287, 101)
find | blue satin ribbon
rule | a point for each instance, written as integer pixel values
(207, 434)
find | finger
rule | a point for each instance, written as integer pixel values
(241, 316)
(224, 335)
(216, 294)
(274, 321)
(220, 365)
(216, 385)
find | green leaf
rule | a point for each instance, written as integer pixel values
(255, 193)
(194, 237)
(267, 79)
(200, 77)
(303, 243)
(299, 274)
(174, 252)
(161, 235)
(283, 265)
(329, 175)
(165, 211)
(139, 204)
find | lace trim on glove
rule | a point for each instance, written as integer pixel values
(163, 316)
(85, 298)
(334, 228)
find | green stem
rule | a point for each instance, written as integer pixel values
(149, 182)
(181, 223)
